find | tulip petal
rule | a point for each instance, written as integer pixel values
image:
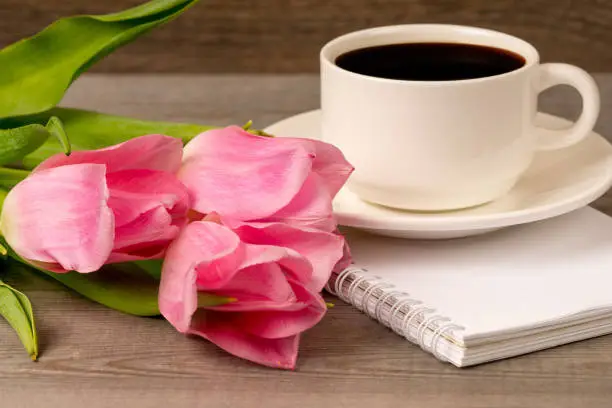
(228, 267)
(263, 282)
(153, 152)
(346, 260)
(221, 330)
(331, 166)
(178, 297)
(199, 243)
(145, 238)
(150, 208)
(253, 305)
(323, 249)
(311, 207)
(210, 257)
(241, 175)
(255, 269)
(273, 324)
(60, 217)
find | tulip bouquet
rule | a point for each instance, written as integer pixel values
(228, 233)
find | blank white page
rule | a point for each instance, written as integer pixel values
(506, 281)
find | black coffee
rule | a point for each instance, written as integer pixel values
(430, 61)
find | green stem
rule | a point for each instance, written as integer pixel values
(10, 177)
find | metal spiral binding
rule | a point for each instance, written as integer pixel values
(397, 310)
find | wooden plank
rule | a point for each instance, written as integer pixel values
(265, 99)
(94, 357)
(284, 36)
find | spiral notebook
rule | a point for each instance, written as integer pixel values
(473, 300)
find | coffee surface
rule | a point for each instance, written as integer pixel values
(430, 61)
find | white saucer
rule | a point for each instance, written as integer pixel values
(557, 182)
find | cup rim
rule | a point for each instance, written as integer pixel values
(530, 61)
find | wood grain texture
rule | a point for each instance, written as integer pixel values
(284, 36)
(94, 357)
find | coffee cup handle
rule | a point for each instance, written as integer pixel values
(553, 74)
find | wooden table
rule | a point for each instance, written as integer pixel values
(95, 357)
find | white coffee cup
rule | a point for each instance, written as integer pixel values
(443, 145)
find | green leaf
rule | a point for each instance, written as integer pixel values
(18, 142)
(124, 287)
(36, 72)
(16, 308)
(9, 179)
(3, 194)
(152, 266)
(93, 130)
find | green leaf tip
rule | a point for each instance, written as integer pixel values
(247, 125)
(56, 128)
(16, 308)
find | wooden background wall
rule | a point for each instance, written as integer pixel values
(278, 36)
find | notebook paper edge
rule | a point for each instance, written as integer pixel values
(424, 329)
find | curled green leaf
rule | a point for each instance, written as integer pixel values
(36, 72)
(16, 308)
(56, 129)
(19, 142)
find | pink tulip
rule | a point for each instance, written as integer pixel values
(94, 207)
(322, 249)
(273, 274)
(254, 178)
